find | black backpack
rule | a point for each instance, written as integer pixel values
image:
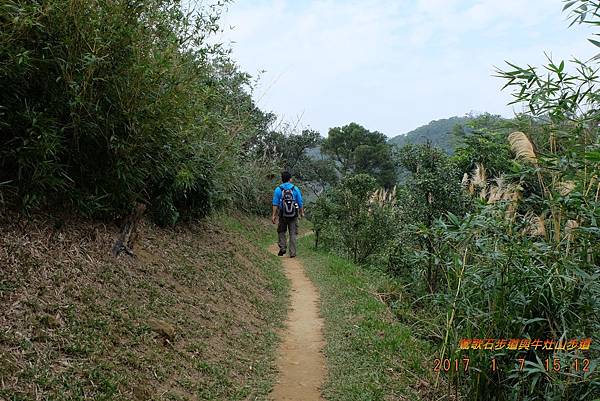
(289, 205)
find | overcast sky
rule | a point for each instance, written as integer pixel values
(392, 65)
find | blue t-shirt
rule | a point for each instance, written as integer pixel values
(277, 194)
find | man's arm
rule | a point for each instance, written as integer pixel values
(300, 203)
(275, 203)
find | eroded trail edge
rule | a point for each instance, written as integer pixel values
(300, 359)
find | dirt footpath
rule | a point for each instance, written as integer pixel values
(300, 361)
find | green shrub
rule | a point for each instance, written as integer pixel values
(107, 103)
(349, 220)
(431, 189)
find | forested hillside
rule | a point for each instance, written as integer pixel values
(439, 132)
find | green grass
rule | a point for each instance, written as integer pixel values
(85, 335)
(370, 355)
(257, 230)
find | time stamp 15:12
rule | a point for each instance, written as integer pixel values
(550, 364)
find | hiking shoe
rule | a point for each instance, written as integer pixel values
(281, 253)
(292, 256)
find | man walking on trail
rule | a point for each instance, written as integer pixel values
(287, 206)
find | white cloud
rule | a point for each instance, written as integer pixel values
(391, 65)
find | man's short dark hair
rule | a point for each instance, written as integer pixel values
(286, 176)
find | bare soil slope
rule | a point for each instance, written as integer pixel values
(194, 316)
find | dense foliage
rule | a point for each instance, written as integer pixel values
(349, 219)
(482, 141)
(356, 150)
(431, 189)
(501, 240)
(107, 103)
(295, 152)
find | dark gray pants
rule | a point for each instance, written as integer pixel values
(291, 225)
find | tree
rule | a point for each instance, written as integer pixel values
(291, 152)
(289, 149)
(431, 190)
(357, 150)
(352, 221)
(483, 141)
(317, 174)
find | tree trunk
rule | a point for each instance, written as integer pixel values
(128, 235)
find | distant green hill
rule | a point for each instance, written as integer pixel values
(439, 132)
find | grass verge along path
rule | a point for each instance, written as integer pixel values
(370, 356)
